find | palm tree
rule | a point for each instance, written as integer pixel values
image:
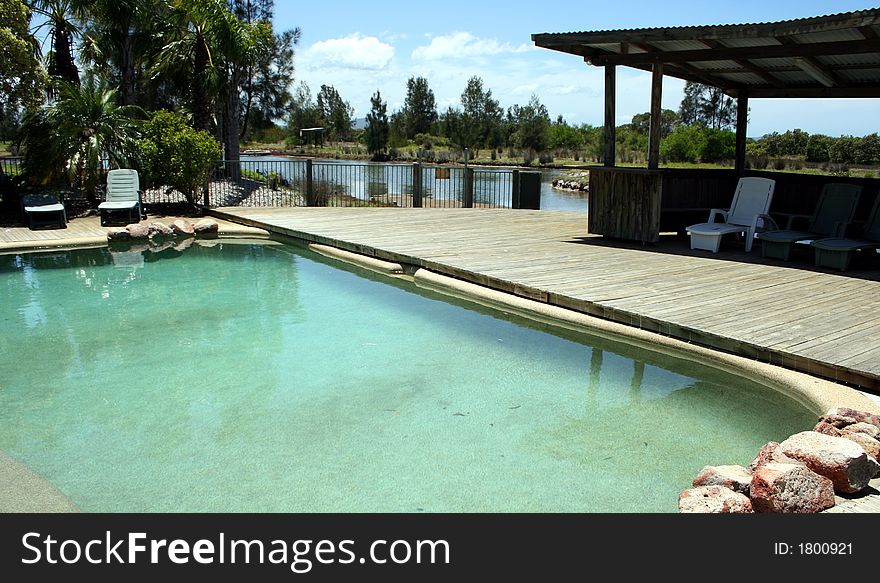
(117, 39)
(67, 143)
(60, 17)
(202, 36)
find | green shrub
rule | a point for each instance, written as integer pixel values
(683, 144)
(177, 155)
(718, 145)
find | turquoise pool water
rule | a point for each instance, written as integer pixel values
(251, 377)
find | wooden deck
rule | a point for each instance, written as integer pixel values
(792, 315)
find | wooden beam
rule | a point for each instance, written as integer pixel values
(688, 72)
(746, 64)
(610, 115)
(733, 53)
(656, 110)
(868, 32)
(742, 123)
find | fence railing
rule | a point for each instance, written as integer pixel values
(306, 182)
(10, 166)
(328, 183)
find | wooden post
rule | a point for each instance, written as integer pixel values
(515, 195)
(468, 196)
(742, 123)
(654, 132)
(610, 131)
(310, 186)
(417, 184)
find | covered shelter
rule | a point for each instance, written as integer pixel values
(830, 56)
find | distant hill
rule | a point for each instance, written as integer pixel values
(359, 123)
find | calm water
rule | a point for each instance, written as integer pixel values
(365, 179)
(248, 377)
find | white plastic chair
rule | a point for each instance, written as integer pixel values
(123, 194)
(748, 210)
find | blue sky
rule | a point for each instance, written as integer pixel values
(359, 47)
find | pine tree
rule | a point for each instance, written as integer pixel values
(377, 127)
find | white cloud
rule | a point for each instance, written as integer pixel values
(463, 44)
(350, 52)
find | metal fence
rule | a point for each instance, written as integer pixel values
(10, 166)
(273, 182)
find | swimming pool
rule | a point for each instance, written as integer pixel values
(262, 377)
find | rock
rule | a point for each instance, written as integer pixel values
(843, 416)
(158, 230)
(837, 458)
(737, 478)
(861, 436)
(118, 234)
(826, 429)
(182, 228)
(770, 452)
(138, 231)
(868, 443)
(206, 227)
(866, 428)
(713, 499)
(790, 488)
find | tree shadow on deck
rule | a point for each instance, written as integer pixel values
(865, 264)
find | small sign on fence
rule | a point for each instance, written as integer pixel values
(441, 173)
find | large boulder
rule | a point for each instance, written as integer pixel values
(843, 416)
(866, 428)
(791, 488)
(138, 231)
(159, 230)
(182, 228)
(770, 452)
(737, 478)
(206, 227)
(713, 499)
(843, 461)
(118, 234)
(860, 433)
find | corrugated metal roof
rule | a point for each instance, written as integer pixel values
(836, 55)
(836, 15)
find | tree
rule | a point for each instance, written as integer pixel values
(304, 112)
(118, 37)
(641, 122)
(707, 107)
(67, 142)
(264, 81)
(532, 124)
(204, 38)
(377, 127)
(335, 113)
(419, 107)
(563, 136)
(21, 77)
(176, 155)
(60, 17)
(683, 144)
(481, 115)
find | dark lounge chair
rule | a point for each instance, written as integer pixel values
(41, 210)
(834, 211)
(837, 252)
